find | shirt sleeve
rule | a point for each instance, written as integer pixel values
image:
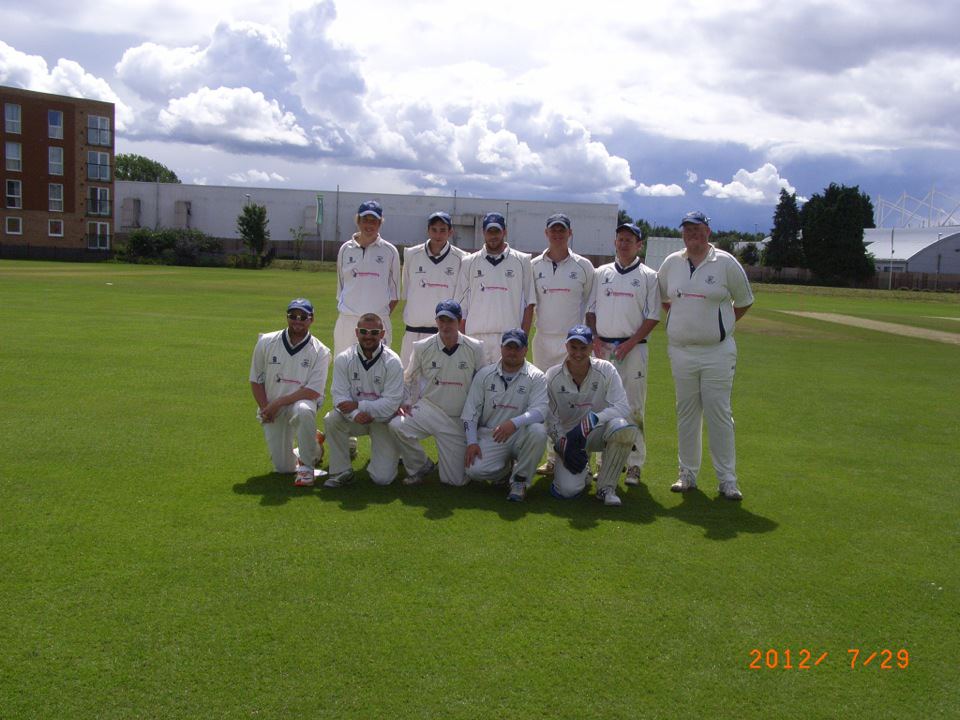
(553, 417)
(592, 301)
(411, 378)
(587, 296)
(340, 271)
(652, 311)
(662, 281)
(258, 362)
(738, 284)
(529, 293)
(317, 379)
(405, 275)
(463, 288)
(394, 279)
(340, 388)
(618, 406)
(539, 401)
(473, 406)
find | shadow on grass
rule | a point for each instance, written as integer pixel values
(720, 519)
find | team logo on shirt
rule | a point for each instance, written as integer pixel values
(540, 275)
(636, 283)
(563, 389)
(380, 259)
(573, 275)
(522, 390)
(350, 260)
(448, 271)
(479, 273)
(433, 363)
(594, 386)
(356, 376)
(462, 365)
(305, 363)
(377, 380)
(420, 270)
(711, 280)
(274, 361)
(493, 387)
(607, 281)
(509, 273)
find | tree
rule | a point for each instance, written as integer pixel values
(749, 254)
(832, 225)
(623, 217)
(784, 248)
(138, 167)
(252, 227)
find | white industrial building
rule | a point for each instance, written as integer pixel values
(934, 250)
(214, 211)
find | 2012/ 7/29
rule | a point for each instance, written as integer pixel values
(774, 659)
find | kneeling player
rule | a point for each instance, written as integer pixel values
(437, 379)
(503, 418)
(288, 375)
(588, 411)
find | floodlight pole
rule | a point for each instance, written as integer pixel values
(890, 283)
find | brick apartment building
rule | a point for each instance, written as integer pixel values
(58, 160)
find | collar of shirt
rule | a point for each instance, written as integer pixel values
(440, 255)
(291, 348)
(367, 364)
(518, 373)
(590, 370)
(709, 257)
(496, 258)
(621, 269)
(443, 348)
(356, 242)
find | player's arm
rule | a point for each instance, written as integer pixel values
(739, 312)
(340, 391)
(618, 406)
(385, 406)
(527, 318)
(646, 327)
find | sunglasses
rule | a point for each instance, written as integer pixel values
(298, 316)
(364, 331)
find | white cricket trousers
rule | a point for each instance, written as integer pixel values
(426, 421)
(613, 440)
(703, 375)
(491, 346)
(525, 446)
(406, 345)
(297, 421)
(383, 447)
(633, 373)
(344, 332)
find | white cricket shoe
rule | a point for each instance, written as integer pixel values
(304, 476)
(685, 483)
(609, 496)
(633, 475)
(730, 490)
(339, 480)
(421, 475)
(353, 448)
(546, 469)
(518, 491)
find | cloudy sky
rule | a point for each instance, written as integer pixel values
(660, 107)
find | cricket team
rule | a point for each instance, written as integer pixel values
(463, 376)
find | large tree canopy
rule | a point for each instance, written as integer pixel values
(138, 167)
(784, 248)
(833, 225)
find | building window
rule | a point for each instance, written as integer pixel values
(14, 226)
(55, 228)
(14, 194)
(11, 118)
(55, 124)
(98, 201)
(55, 155)
(14, 156)
(98, 236)
(98, 166)
(55, 194)
(98, 130)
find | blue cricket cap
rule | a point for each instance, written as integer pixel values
(301, 304)
(695, 217)
(440, 215)
(450, 309)
(370, 207)
(515, 336)
(632, 228)
(558, 219)
(581, 333)
(494, 219)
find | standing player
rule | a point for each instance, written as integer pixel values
(368, 277)
(503, 418)
(495, 288)
(367, 390)
(430, 274)
(437, 380)
(563, 281)
(624, 309)
(588, 413)
(288, 376)
(705, 291)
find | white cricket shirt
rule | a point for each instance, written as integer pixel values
(494, 292)
(600, 392)
(563, 291)
(368, 279)
(376, 385)
(283, 368)
(702, 299)
(442, 376)
(623, 297)
(492, 400)
(427, 280)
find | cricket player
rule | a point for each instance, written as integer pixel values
(624, 309)
(430, 274)
(503, 418)
(288, 376)
(705, 291)
(436, 382)
(589, 413)
(366, 391)
(368, 277)
(563, 282)
(495, 288)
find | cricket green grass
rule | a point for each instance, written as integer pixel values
(153, 567)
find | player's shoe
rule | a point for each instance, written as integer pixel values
(633, 475)
(518, 490)
(304, 476)
(339, 480)
(353, 448)
(730, 490)
(546, 469)
(421, 475)
(685, 483)
(609, 496)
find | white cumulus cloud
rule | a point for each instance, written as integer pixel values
(691, 177)
(762, 186)
(255, 176)
(659, 190)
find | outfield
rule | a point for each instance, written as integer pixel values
(152, 567)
